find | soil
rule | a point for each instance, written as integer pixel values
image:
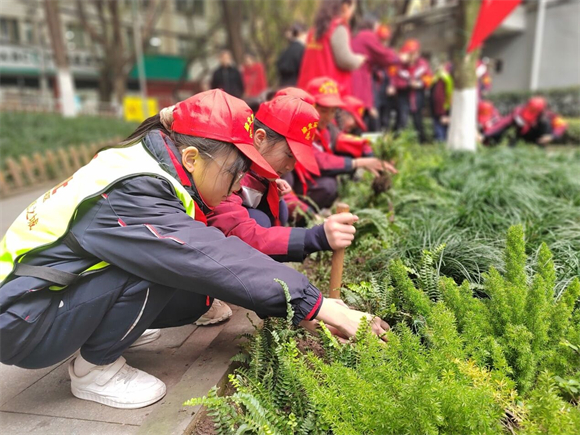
(381, 184)
(204, 425)
(310, 344)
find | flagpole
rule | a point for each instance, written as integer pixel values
(539, 37)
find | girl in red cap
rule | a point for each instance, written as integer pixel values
(323, 189)
(328, 46)
(410, 81)
(122, 246)
(283, 132)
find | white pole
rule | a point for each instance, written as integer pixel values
(540, 19)
(140, 62)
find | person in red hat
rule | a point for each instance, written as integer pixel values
(351, 124)
(295, 92)
(487, 117)
(378, 56)
(283, 133)
(328, 46)
(122, 246)
(323, 189)
(531, 122)
(411, 79)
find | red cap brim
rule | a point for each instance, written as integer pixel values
(304, 155)
(330, 100)
(259, 165)
(359, 120)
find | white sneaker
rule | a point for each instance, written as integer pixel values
(117, 385)
(147, 337)
(218, 312)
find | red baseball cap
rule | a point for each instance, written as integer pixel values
(484, 111)
(383, 32)
(295, 92)
(325, 92)
(356, 108)
(533, 108)
(296, 120)
(217, 115)
(410, 46)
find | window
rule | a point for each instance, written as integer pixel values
(9, 30)
(154, 45)
(75, 36)
(194, 7)
(183, 46)
(28, 32)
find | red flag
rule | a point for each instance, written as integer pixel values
(491, 14)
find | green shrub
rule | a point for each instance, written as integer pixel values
(454, 364)
(565, 101)
(572, 135)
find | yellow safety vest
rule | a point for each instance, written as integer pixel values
(448, 82)
(48, 219)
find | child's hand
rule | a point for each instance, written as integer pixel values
(346, 321)
(374, 165)
(339, 230)
(283, 186)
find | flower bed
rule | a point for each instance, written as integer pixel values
(485, 328)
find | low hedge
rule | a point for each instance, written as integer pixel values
(565, 101)
(26, 133)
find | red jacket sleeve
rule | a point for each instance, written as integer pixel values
(294, 202)
(280, 243)
(380, 56)
(331, 165)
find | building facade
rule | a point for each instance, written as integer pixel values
(27, 69)
(510, 48)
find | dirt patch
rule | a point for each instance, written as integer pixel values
(381, 184)
(204, 425)
(310, 344)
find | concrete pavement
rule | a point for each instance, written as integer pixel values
(189, 359)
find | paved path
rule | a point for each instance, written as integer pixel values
(189, 359)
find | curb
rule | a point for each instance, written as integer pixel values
(211, 368)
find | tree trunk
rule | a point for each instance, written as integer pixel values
(232, 18)
(65, 82)
(463, 127)
(120, 86)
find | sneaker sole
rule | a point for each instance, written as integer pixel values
(213, 321)
(149, 339)
(93, 397)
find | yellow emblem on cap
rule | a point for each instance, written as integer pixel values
(249, 125)
(307, 130)
(328, 88)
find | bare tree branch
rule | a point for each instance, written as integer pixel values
(153, 14)
(87, 25)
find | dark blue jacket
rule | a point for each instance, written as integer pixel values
(159, 243)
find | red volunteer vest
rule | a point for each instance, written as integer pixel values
(318, 60)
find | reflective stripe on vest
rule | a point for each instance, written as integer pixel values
(448, 82)
(48, 219)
